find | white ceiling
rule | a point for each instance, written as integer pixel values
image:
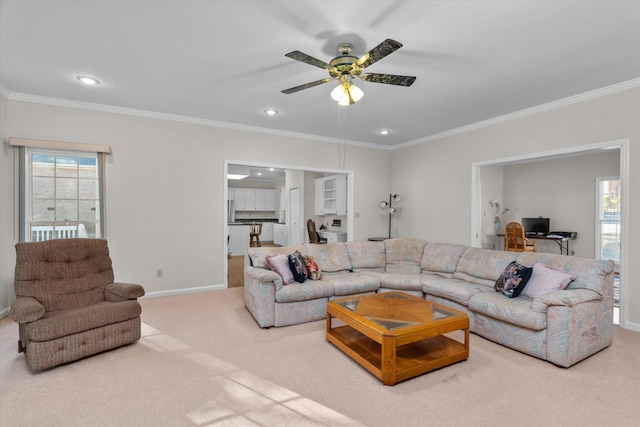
(222, 62)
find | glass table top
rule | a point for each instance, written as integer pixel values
(393, 310)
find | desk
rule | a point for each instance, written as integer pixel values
(563, 242)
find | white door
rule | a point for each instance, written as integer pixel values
(294, 224)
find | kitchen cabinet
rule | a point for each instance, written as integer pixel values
(331, 195)
(253, 199)
(238, 239)
(281, 234)
(267, 232)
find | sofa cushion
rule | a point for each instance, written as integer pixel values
(516, 311)
(330, 258)
(404, 255)
(544, 280)
(401, 281)
(280, 264)
(62, 323)
(442, 258)
(298, 267)
(366, 255)
(451, 289)
(313, 269)
(258, 255)
(483, 266)
(351, 283)
(304, 291)
(513, 279)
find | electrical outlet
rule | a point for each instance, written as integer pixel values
(356, 214)
(159, 272)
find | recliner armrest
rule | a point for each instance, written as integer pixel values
(26, 309)
(122, 291)
(567, 297)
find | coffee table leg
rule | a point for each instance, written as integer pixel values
(388, 360)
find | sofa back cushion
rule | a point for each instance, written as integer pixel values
(441, 258)
(366, 255)
(589, 273)
(63, 274)
(258, 256)
(331, 258)
(404, 255)
(482, 266)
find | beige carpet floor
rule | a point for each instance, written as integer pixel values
(203, 361)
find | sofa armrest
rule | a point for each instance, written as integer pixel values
(26, 309)
(568, 298)
(122, 291)
(263, 275)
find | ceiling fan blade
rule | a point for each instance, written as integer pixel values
(303, 57)
(389, 79)
(377, 53)
(306, 85)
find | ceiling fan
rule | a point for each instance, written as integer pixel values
(346, 67)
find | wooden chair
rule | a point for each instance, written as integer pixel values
(314, 237)
(254, 235)
(515, 240)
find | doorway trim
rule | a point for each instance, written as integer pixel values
(225, 170)
(621, 144)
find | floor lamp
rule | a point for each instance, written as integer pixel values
(389, 207)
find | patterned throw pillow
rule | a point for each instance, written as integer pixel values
(312, 268)
(280, 264)
(513, 279)
(298, 267)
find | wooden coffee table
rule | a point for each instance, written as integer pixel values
(397, 336)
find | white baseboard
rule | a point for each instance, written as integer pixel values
(183, 291)
(631, 326)
(4, 313)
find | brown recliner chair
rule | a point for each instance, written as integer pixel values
(67, 304)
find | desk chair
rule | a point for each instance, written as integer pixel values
(254, 235)
(515, 240)
(314, 237)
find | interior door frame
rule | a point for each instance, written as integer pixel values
(621, 144)
(350, 198)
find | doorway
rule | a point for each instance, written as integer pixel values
(478, 198)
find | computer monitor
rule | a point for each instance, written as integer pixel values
(538, 226)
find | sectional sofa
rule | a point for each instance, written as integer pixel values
(560, 326)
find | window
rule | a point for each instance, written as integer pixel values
(61, 191)
(608, 219)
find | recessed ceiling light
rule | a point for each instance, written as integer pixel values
(271, 112)
(89, 80)
(384, 131)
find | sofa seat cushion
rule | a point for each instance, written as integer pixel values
(56, 324)
(451, 289)
(401, 281)
(351, 283)
(311, 289)
(516, 311)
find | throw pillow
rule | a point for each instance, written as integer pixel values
(298, 267)
(280, 264)
(545, 279)
(513, 279)
(312, 268)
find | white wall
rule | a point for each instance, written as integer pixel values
(165, 190)
(436, 175)
(563, 190)
(7, 252)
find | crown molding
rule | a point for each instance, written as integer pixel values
(618, 87)
(14, 96)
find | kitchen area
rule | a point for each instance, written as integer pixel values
(282, 201)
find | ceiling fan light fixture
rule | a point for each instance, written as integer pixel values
(346, 93)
